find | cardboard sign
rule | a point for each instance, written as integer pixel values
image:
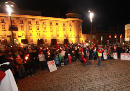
(105, 55)
(125, 56)
(51, 65)
(115, 56)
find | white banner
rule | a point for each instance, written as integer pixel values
(52, 66)
(125, 56)
(105, 55)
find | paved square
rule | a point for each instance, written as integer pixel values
(113, 75)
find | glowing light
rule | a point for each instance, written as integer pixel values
(121, 36)
(109, 36)
(9, 9)
(26, 58)
(91, 15)
(115, 36)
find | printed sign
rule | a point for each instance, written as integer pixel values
(51, 65)
(114, 55)
(125, 56)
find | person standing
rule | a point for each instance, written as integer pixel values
(100, 52)
(42, 60)
(69, 58)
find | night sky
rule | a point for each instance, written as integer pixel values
(107, 12)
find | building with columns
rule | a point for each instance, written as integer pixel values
(127, 32)
(36, 29)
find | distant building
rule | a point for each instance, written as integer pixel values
(35, 29)
(110, 34)
(127, 32)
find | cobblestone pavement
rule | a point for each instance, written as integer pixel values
(113, 75)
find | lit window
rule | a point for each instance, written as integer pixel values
(38, 34)
(3, 26)
(64, 24)
(37, 22)
(50, 23)
(29, 22)
(70, 29)
(2, 21)
(44, 23)
(22, 28)
(21, 21)
(45, 40)
(70, 25)
(37, 27)
(30, 27)
(44, 29)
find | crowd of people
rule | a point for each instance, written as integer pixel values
(27, 60)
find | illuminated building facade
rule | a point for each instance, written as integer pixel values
(47, 29)
(127, 32)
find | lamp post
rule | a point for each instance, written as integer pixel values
(9, 5)
(91, 16)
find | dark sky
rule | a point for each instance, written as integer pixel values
(107, 12)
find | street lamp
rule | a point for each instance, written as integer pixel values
(9, 5)
(91, 16)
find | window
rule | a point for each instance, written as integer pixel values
(21, 21)
(45, 40)
(2, 21)
(70, 29)
(44, 29)
(56, 23)
(64, 24)
(37, 22)
(30, 27)
(22, 28)
(44, 23)
(70, 25)
(50, 23)
(17, 18)
(3, 30)
(37, 27)
(31, 40)
(38, 34)
(29, 22)
(3, 26)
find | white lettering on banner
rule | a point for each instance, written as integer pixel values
(51, 65)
